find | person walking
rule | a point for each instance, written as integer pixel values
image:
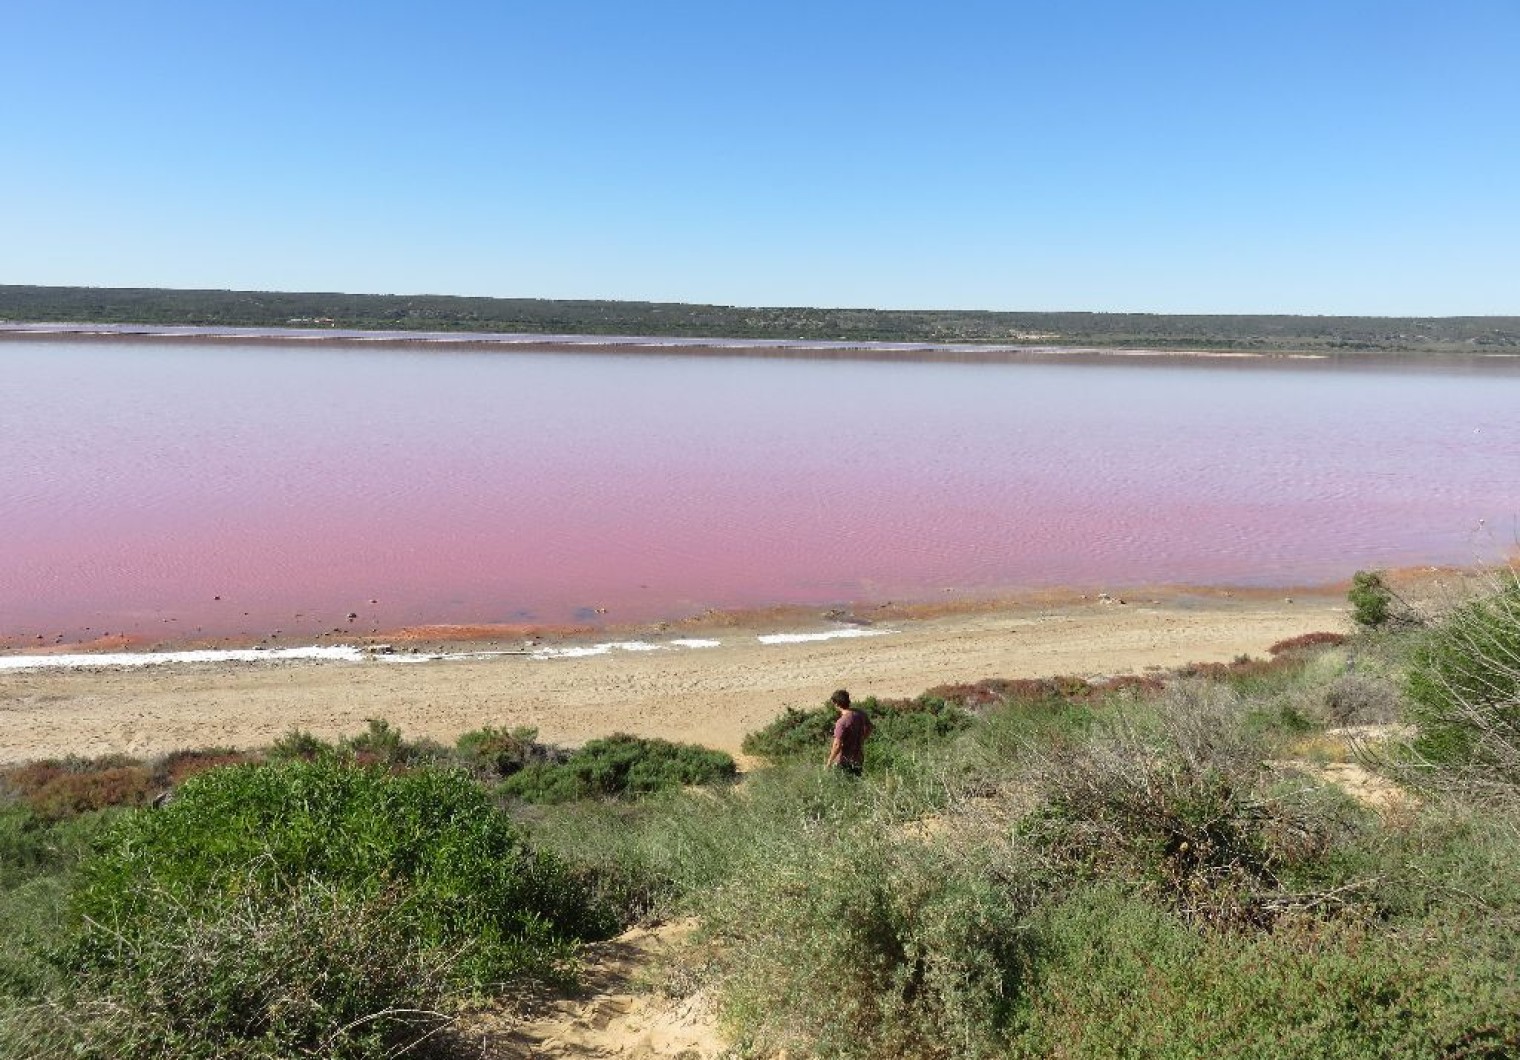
(848, 751)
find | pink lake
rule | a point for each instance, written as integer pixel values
(184, 487)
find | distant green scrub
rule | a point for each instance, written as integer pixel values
(162, 306)
(899, 728)
(619, 765)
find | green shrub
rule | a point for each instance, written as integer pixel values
(1280, 719)
(1374, 605)
(1256, 679)
(899, 727)
(670, 849)
(865, 919)
(862, 946)
(1464, 692)
(837, 931)
(36, 846)
(1450, 860)
(1370, 599)
(798, 733)
(619, 765)
(456, 876)
(1118, 977)
(382, 744)
(502, 752)
(37, 859)
(298, 743)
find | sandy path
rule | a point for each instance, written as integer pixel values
(613, 1013)
(710, 695)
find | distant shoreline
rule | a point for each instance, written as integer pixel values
(704, 326)
(810, 349)
(474, 638)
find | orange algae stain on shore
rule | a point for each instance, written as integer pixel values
(461, 632)
(35, 646)
(1419, 583)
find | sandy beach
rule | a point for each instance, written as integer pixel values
(712, 694)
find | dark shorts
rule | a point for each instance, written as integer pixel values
(848, 767)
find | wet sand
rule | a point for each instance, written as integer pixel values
(711, 695)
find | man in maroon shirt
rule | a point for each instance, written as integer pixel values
(848, 751)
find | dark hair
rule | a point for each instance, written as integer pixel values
(841, 699)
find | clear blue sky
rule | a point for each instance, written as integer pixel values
(1309, 156)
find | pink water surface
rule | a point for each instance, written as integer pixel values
(141, 482)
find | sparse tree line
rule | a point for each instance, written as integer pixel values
(1262, 333)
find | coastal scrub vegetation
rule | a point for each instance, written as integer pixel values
(1199, 863)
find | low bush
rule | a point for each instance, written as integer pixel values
(1282, 695)
(37, 860)
(1181, 801)
(382, 744)
(56, 789)
(1281, 718)
(619, 765)
(244, 895)
(501, 752)
(1452, 860)
(1037, 693)
(31, 845)
(179, 766)
(1245, 673)
(669, 850)
(1056, 712)
(1374, 605)
(1306, 641)
(1356, 699)
(37, 857)
(299, 744)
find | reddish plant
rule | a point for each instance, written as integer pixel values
(1307, 640)
(997, 692)
(68, 794)
(1244, 666)
(178, 766)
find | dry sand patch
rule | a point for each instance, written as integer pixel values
(613, 1013)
